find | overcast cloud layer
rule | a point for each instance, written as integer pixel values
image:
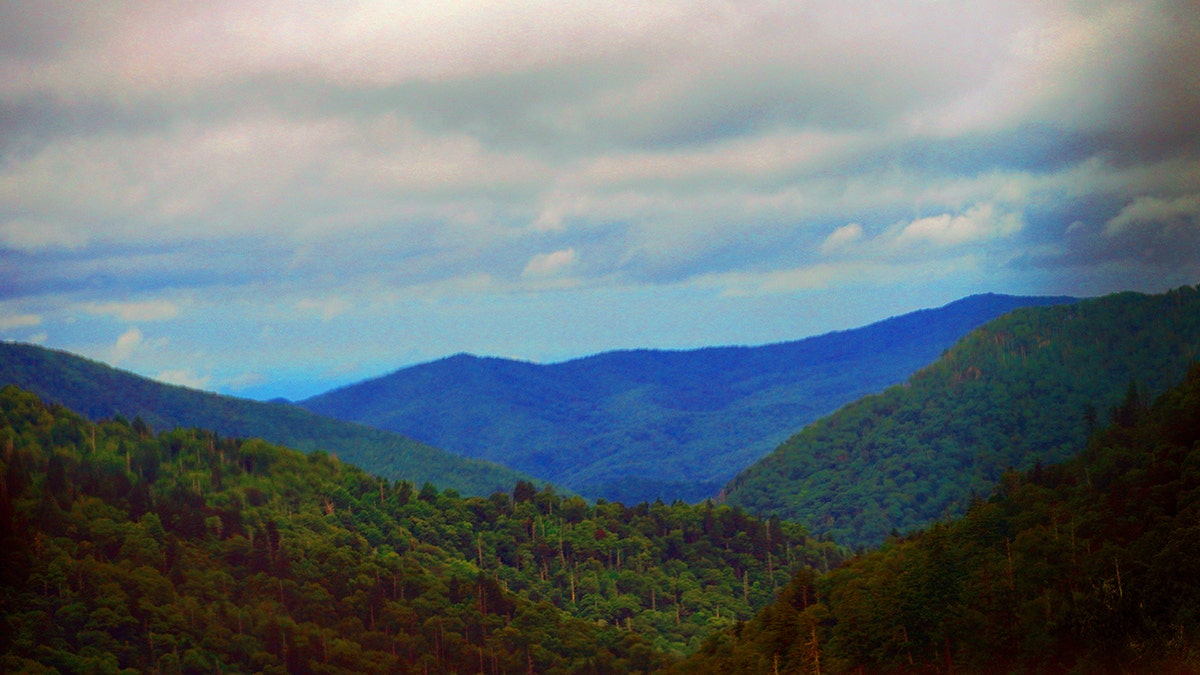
(274, 197)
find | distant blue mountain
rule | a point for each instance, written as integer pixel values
(99, 391)
(638, 425)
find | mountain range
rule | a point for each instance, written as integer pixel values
(99, 392)
(641, 425)
(186, 550)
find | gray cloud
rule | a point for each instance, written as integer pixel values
(352, 153)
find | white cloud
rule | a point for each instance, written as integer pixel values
(365, 43)
(245, 380)
(184, 377)
(126, 345)
(979, 223)
(33, 235)
(842, 238)
(757, 157)
(19, 321)
(148, 310)
(550, 264)
(1149, 210)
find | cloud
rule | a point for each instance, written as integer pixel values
(245, 380)
(149, 310)
(184, 377)
(19, 321)
(126, 345)
(550, 264)
(1154, 231)
(1150, 210)
(979, 223)
(842, 238)
(29, 235)
(304, 163)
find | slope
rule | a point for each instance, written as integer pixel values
(125, 551)
(638, 425)
(99, 391)
(1091, 566)
(1026, 387)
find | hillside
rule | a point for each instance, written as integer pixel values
(1024, 388)
(1092, 566)
(99, 391)
(638, 425)
(125, 551)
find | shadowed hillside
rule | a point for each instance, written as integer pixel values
(1026, 387)
(639, 425)
(1090, 566)
(99, 391)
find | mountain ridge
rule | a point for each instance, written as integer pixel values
(1019, 389)
(639, 424)
(97, 391)
(1083, 566)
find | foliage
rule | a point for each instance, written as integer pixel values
(126, 551)
(100, 392)
(639, 425)
(1088, 566)
(1026, 387)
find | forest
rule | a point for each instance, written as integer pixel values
(98, 391)
(1090, 566)
(1027, 387)
(128, 550)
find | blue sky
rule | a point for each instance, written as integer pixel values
(276, 198)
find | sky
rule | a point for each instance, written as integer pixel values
(274, 198)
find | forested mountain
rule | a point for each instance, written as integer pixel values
(99, 391)
(125, 551)
(636, 425)
(1026, 387)
(1091, 566)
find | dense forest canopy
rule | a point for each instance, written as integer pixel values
(1026, 387)
(182, 551)
(1091, 566)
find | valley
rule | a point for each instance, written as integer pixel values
(1002, 507)
(641, 425)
